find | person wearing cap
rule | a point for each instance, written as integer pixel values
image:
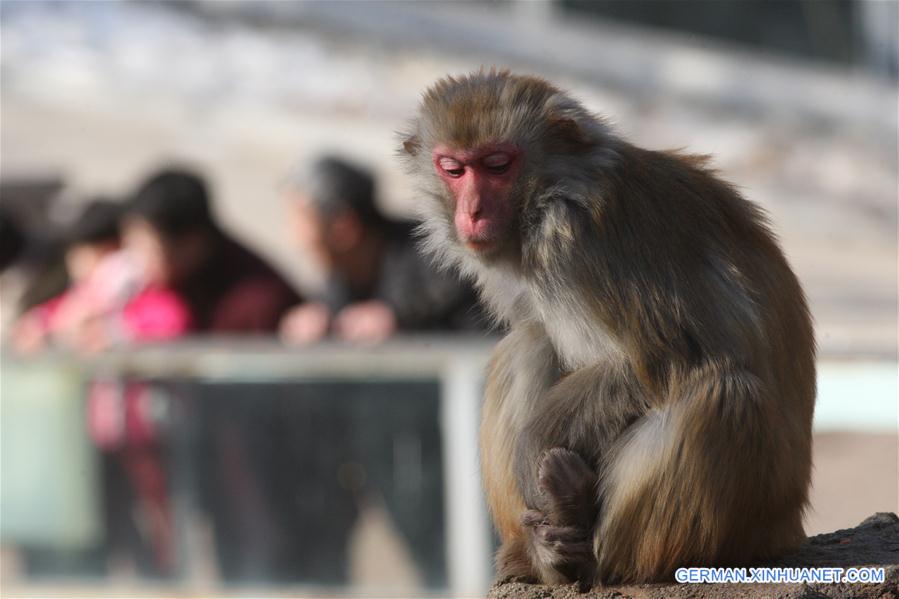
(377, 283)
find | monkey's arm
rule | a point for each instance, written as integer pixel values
(557, 465)
(523, 368)
(585, 412)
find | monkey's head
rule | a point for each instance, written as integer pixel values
(487, 149)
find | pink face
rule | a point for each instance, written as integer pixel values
(480, 181)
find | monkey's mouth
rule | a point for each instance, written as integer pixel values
(480, 236)
(481, 243)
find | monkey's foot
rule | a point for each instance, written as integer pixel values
(568, 489)
(513, 563)
(561, 532)
(561, 554)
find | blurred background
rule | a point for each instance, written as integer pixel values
(224, 368)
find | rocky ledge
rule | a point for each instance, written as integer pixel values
(874, 542)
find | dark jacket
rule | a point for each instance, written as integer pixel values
(236, 291)
(423, 297)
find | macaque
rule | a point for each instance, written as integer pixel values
(650, 406)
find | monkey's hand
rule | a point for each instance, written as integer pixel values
(561, 530)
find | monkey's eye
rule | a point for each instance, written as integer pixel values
(451, 167)
(497, 163)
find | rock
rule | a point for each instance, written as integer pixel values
(874, 542)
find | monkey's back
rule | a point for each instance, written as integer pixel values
(696, 272)
(719, 325)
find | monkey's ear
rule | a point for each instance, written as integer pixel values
(568, 132)
(412, 145)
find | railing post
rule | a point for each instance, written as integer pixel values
(468, 530)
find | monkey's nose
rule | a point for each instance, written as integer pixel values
(474, 210)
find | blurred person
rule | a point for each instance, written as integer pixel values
(33, 268)
(377, 284)
(170, 227)
(12, 239)
(93, 236)
(376, 281)
(107, 300)
(12, 283)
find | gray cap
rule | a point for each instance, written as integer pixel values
(333, 185)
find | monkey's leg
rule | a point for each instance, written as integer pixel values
(557, 461)
(718, 475)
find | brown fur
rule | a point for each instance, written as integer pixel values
(656, 334)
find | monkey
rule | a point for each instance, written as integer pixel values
(650, 404)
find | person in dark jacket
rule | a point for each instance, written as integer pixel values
(170, 226)
(230, 289)
(377, 281)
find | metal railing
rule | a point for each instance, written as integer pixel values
(456, 363)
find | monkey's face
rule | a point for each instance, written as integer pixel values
(485, 148)
(480, 183)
